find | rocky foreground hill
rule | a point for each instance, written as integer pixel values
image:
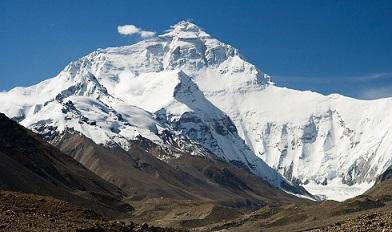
(30, 212)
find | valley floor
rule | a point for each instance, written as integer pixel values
(29, 212)
(363, 213)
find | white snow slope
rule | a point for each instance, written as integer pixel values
(189, 83)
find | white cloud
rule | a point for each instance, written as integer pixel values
(129, 30)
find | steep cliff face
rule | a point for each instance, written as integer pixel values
(333, 145)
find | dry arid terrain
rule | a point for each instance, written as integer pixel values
(360, 214)
(29, 212)
(369, 212)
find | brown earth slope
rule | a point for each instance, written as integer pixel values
(29, 164)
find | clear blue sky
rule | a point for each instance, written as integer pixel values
(325, 46)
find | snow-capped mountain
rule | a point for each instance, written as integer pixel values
(113, 98)
(201, 90)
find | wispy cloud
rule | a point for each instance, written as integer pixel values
(376, 92)
(334, 79)
(130, 29)
(367, 86)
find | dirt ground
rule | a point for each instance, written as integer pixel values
(28, 212)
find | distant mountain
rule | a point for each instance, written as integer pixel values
(189, 93)
(29, 164)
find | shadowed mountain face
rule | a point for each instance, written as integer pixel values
(142, 175)
(29, 164)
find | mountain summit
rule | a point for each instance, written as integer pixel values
(186, 29)
(186, 91)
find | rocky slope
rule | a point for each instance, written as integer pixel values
(29, 164)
